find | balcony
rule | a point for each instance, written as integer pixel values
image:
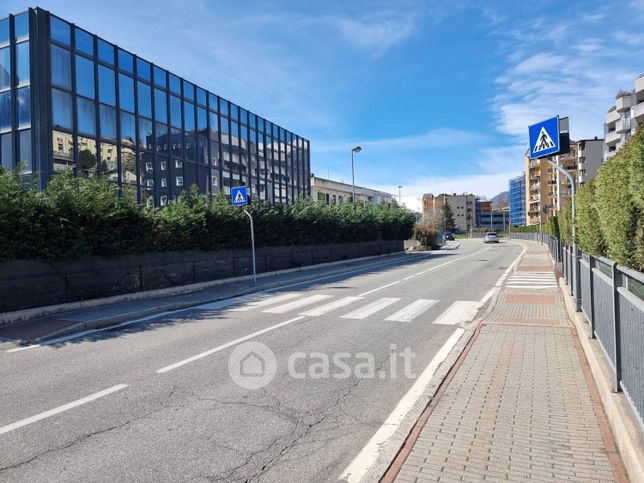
(638, 112)
(623, 125)
(535, 186)
(623, 103)
(639, 88)
(612, 116)
(612, 138)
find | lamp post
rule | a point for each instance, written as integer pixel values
(356, 149)
(399, 194)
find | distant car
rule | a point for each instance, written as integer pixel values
(449, 236)
(490, 237)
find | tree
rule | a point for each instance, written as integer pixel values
(447, 218)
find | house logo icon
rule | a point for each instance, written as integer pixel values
(252, 365)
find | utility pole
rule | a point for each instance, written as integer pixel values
(399, 194)
(356, 149)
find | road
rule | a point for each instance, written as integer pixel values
(156, 400)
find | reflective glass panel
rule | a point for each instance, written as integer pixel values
(84, 77)
(175, 84)
(189, 143)
(188, 116)
(145, 101)
(175, 111)
(126, 93)
(107, 116)
(24, 150)
(106, 87)
(201, 96)
(62, 109)
(84, 42)
(5, 68)
(188, 90)
(234, 112)
(126, 61)
(105, 52)
(86, 115)
(223, 106)
(159, 77)
(6, 157)
(87, 159)
(4, 31)
(202, 122)
(128, 166)
(160, 106)
(60, 31)
(128, 130)
(63, 151)
(177, 143)
(163, 143)
(143, 69)
(22, 64)
(21, 26)
(213, 102)
(5, 111)
(109, 162)
(23, 107)
(145, 134)
(61, 67)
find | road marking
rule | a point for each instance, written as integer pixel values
(524, 287)
(282, 309)
(413, 310)
(263, 302)
(499, 282)
(60, 409)
(368, 456)
(219, 304)
(410, 277)
(370, 309)
(379, 288)
(326, 308)
(226, 345)
(459, 312)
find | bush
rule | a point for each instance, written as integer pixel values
(589, 237)
(78, 217)
(426, 235)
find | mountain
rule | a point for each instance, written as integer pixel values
(500, 200)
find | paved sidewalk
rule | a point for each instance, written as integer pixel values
(521, 406)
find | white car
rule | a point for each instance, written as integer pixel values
(490, 237)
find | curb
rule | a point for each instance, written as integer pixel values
(626, 431)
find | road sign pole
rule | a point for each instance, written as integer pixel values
(252, 244)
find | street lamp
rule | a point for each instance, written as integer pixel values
(399, 195)
(357, 149)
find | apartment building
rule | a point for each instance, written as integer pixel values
(463, 207)
(331, 192)
(623, 119)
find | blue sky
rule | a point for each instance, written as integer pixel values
(439, 94)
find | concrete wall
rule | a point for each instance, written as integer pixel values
(31, 283)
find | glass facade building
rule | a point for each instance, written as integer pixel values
(71, 101)
(516, 200)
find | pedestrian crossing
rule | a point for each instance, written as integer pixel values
(532, 280)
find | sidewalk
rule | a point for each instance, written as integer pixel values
(520, 405)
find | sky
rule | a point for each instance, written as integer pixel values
(438, 93)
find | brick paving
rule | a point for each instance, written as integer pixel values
(519, 407)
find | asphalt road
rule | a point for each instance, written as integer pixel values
(155, 401)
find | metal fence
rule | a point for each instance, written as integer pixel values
(612, 299)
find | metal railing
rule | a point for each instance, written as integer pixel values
(611, 298)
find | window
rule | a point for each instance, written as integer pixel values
(188, 90)
(213, 102)
(22, 64)
(188, 116)
(145, 101)
(6, 157)
(145, 133)
(162, 144)
(223, 106)
(107, 116)
(84, 77)
(105, 52)
(5, 111)
(126, 61)
(179, 180)
(143, 69)
(62, 109)
(126, 93)
(60, 31)
(84, 42)
(160, 77)
(106, 88)
(201, 96)
(63, 151)
(23, 107)
(175, 111)
(202, 122)
(128, 131)
(86, 116)
(4, 31)
(160, 106)
(109, 162)
(87, 156)
(21, 26)
(5, 68)
(175, 84)
(24, 150)
(61, 67)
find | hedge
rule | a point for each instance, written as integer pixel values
(77, 217)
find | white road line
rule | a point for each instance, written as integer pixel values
(379, 288)
(459, 312)
(370, 309)
(326, 308)
(264, 302)
(532, 287)
(368, 456)
(413, 310)
(282, 309)
(60, 409)
(499, 282)
(409, 278)
(219, 304)
(532, 282)
(226, 345)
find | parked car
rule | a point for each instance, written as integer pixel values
(490, 237)
(449, 236)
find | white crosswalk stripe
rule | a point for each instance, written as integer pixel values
(411, 311)
(266, 301)
(297, 304)
(532, 280)
(326, 308)
(459, 312)
(370, 309)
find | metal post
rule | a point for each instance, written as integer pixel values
(353, 178)
(616, 279)
(252, 243)
(591, 264)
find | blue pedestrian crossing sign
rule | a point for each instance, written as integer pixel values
(544, 138)
(239, 196)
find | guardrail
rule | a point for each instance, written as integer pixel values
(611, 298)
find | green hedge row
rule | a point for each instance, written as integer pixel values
(78, 217)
